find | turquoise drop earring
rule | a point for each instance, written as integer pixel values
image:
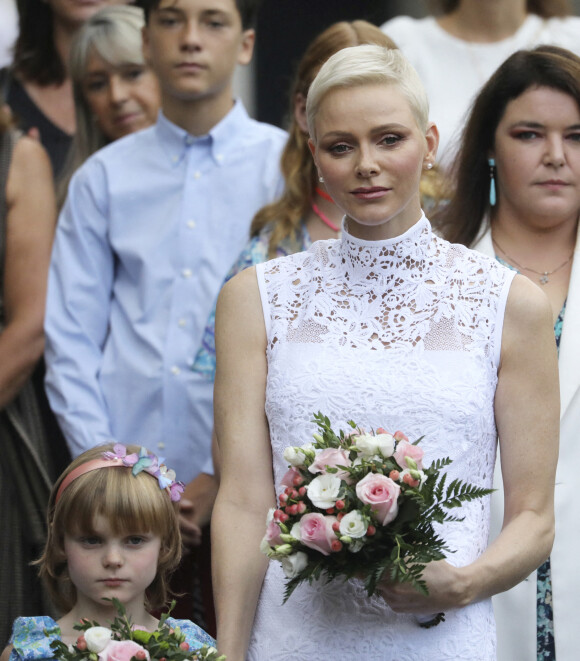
(492, 195)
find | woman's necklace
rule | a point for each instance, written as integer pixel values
(543, 279)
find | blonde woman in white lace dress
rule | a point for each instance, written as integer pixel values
(394, 327)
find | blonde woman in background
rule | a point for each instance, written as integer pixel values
(115, 92)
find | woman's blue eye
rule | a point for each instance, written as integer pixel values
(338, 149)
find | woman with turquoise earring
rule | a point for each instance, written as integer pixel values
(517, 183)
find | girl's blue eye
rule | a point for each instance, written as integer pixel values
(90, 540)
(135, 540)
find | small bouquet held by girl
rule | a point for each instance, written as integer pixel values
(121, 640)
(361, 504)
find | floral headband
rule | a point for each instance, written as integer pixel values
(144, 461)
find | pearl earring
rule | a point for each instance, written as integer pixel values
(321, 180)
(428, 166)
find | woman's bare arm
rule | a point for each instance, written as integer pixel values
(246, 483)
(30, 228)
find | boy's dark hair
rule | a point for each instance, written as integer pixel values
(248, 10)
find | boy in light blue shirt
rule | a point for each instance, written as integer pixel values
(150, 228)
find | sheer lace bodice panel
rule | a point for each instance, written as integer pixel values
(415, 290)
(404, 334)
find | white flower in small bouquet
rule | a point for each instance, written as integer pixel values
(362, 504)
(122, 641)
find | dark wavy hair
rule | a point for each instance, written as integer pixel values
(463, 219)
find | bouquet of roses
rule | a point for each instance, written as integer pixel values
(361, 504)
(122, 641)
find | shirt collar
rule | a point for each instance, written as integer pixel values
(220, 139)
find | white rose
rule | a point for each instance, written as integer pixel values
(294, 456)
(381, 444)
(98, 638)
(324, 490)
(293, 564)
(353, 525)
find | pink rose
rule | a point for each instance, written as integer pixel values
(288, 477)
(332, 457)
(123, 650)
(406, 449)
(381, 493)
(316, 532)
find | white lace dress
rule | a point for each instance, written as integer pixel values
(403, 334)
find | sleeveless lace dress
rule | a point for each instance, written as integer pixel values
(403, 334)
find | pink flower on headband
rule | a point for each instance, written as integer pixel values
(148, 463)
(120, 452)
(175, 491)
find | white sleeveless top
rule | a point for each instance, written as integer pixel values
(404, 334)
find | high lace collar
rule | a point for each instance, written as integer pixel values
(371, 259)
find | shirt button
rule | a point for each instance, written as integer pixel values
(175, 158)
(161, 445)
(191, 224)
(197, 175)
(189, 140)
(175, 370)
(181, 323)
(220, 157)
(186, 273)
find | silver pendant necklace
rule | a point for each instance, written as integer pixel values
(544, 275)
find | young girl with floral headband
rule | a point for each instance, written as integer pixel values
(113, 534)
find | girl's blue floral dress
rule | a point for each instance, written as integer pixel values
(32, 636)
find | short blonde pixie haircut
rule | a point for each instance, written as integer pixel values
(368, 65)
(131, 504)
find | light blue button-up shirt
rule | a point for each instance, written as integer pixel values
(150, 228)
